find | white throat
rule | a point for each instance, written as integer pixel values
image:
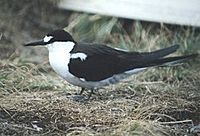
(59, 57)
(60, 47)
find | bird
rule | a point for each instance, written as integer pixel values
(92, 66)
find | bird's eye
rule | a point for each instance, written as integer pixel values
(47, 38)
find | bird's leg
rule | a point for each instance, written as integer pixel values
(90, 94)
(82, 90)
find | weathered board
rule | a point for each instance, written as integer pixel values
(183, 12)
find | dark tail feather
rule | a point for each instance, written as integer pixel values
(170, 61)
(160, 53)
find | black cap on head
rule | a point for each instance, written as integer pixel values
(60, 35)
(54, 36)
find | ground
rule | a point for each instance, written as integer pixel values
(35, 101)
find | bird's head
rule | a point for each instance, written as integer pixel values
(56, 38)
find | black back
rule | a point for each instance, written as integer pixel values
(102, 62)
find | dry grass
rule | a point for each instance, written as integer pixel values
(33, 104)
(161, 101)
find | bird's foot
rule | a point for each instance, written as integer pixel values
(82, 90)
(90, 94)
(79, 98)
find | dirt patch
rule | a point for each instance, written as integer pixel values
(54, 112)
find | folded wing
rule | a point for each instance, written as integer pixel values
(103, 62)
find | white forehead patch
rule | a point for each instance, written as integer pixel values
(47, 38)
(82, 56)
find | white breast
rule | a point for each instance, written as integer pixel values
(59, 58)
(59, 62)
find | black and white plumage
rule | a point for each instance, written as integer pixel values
(93, 66)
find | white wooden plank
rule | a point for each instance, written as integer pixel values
(184, 12)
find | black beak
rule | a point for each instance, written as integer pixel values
(36, 43)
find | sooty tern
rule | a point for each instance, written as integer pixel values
(92, 66)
